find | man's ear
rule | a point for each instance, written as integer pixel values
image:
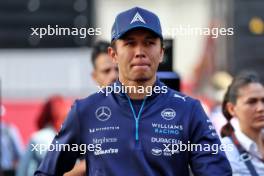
(112, 53)
(161, 54)
(231, 109)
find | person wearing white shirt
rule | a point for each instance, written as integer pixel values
(244, 100)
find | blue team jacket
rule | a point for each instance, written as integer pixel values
(138, 147)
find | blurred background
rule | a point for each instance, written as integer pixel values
(33, 68)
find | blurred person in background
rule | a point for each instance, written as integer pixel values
(244, 100)
(104, 73)
(11, 146)
(219, 84)
(49, 122)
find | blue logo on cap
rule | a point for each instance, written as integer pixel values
(135, 18)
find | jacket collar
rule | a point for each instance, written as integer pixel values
(121, 95)
(245, 141)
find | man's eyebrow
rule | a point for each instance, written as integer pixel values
(127, 38)
(151, 37)
(106, 69)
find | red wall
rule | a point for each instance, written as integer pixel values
(23, 115)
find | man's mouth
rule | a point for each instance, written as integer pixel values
(140, 65)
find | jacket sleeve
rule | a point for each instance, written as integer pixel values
(211, 159)
(61, 155)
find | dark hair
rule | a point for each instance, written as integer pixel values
(99, 48)
(241, 80)
(46, 115)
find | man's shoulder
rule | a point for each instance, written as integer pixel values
(92, 100)
(97, 96)
(180, 98)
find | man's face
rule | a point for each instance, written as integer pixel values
(105, 71)
(138, 55)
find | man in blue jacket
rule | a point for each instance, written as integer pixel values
(138, 126)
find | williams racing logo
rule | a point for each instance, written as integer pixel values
(168, 114)
(167, 129)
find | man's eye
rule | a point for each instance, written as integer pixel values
(129, 43)
(106, 71)
(150, 42)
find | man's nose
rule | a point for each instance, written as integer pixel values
(139, 51)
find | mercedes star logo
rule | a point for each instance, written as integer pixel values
(103, 113)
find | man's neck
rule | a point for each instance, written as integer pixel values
(138, 84)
